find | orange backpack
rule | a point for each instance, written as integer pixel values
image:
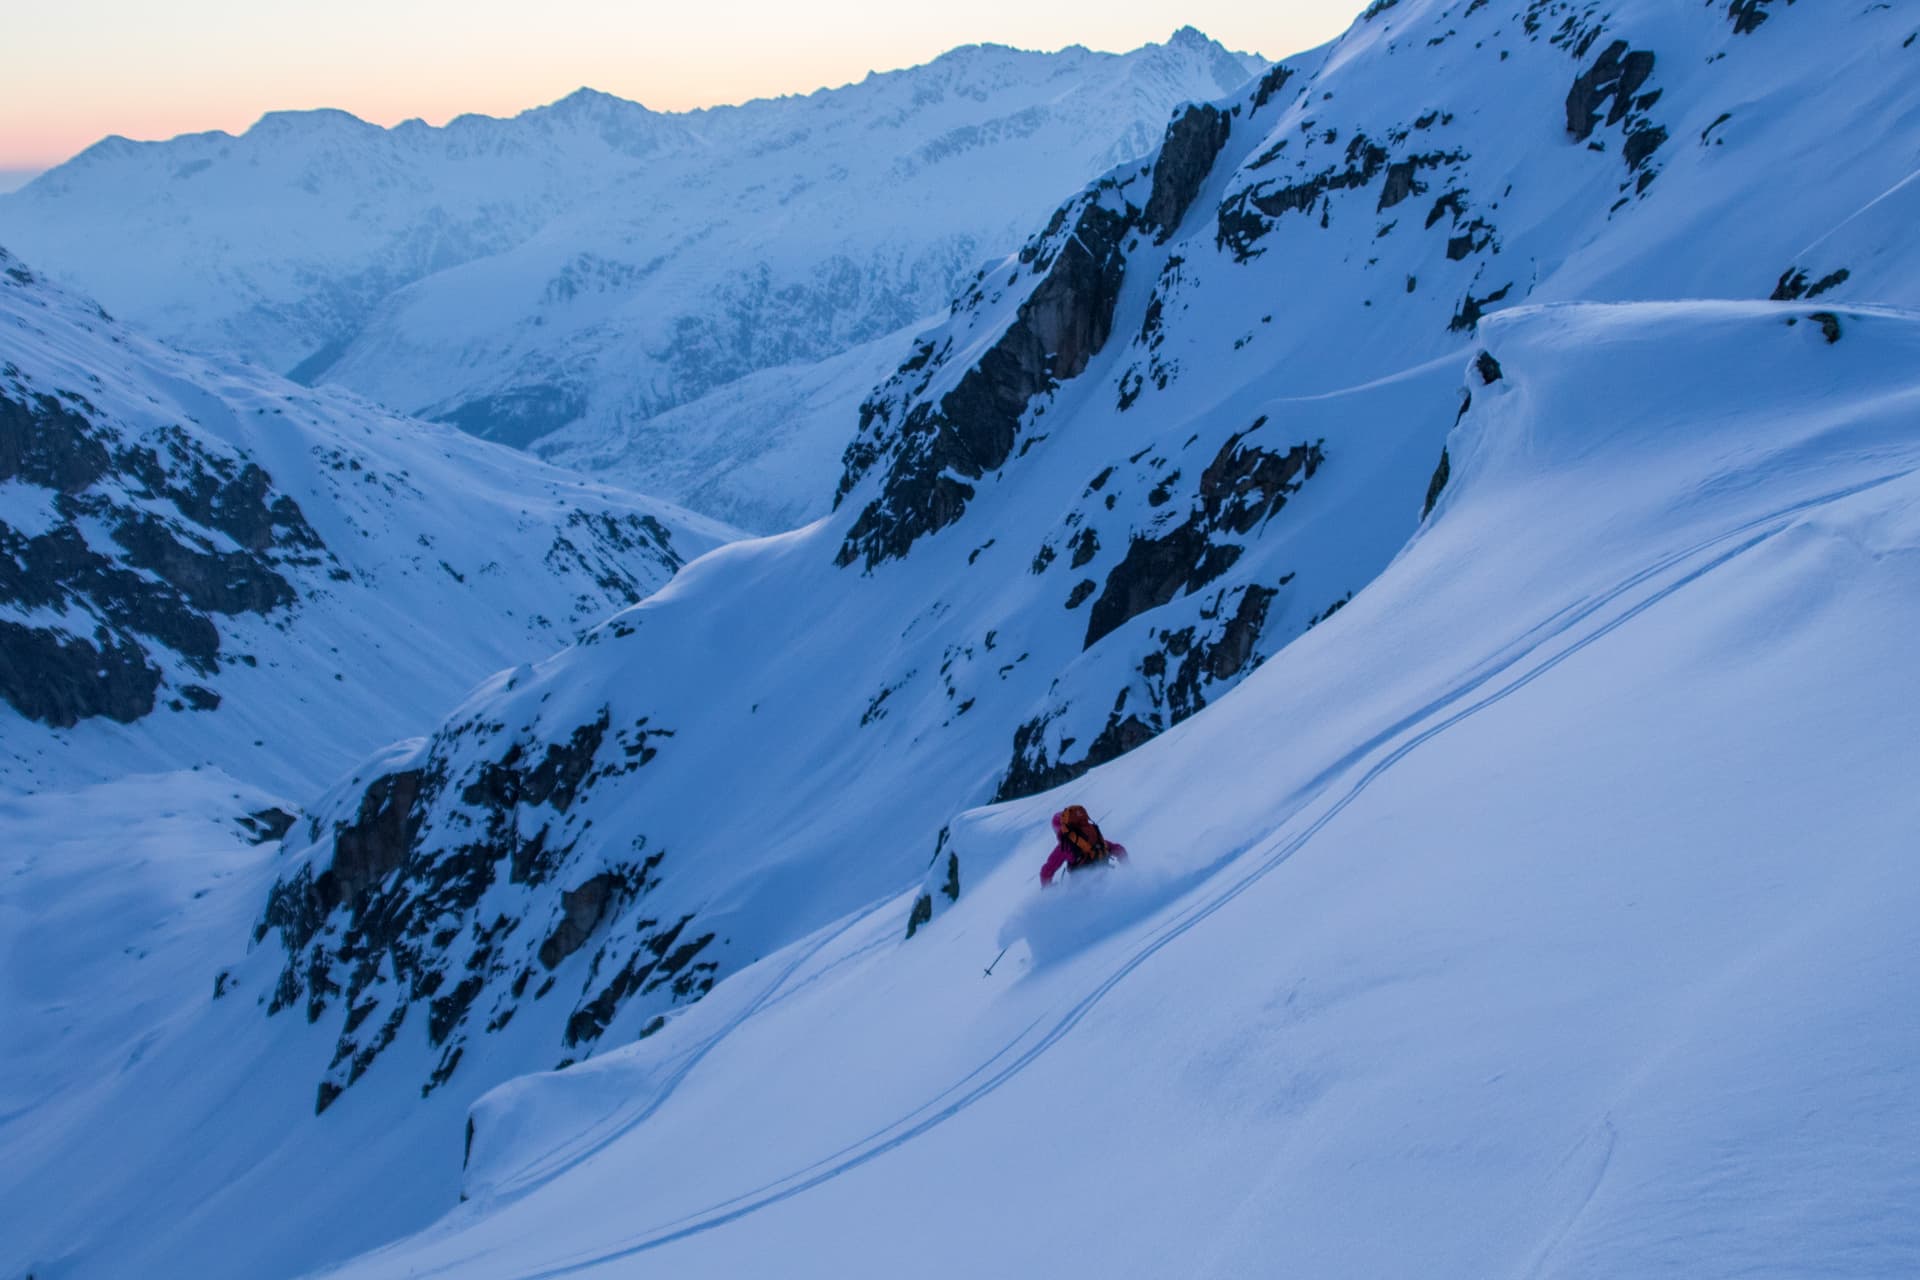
(1085, 845)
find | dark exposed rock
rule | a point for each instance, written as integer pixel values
(59, 569)
(970, 431)
(655, 962)
(379, 839)
(1207, 662)
(1487, 368)
(61, 680)
(1747, 15)
(1441, 474)
(1192, 143)
(1249, 214)
(1179, 672)
(1086, 545)
(1271, 83)
(1472, 308)
(392, 920)
(1793, 284)
(267, 825)
(1151, 573)
(1242, 487)
(45, 443)
(922, 913)
(1641, 144)
(606, 547)
(1329, 611)
(500, 789)
(167, 575)
(581, 910)
(1616, 74)
(198, 697)
(1452, 202)
(1030, 772)
(210, 581)
(1614, 81)
(445, 1013)
(1829, 325)
(1399, 185)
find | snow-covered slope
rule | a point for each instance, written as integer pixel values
(1547, 912)
(206, 564)
(593, 262)
(1542, 780)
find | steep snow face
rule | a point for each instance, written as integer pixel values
(594, 262)
(1546, 912)
(205, 564)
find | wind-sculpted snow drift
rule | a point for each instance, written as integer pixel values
(1190, 429)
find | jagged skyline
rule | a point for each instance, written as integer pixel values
(150, 73)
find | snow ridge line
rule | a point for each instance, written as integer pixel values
(1750, 534)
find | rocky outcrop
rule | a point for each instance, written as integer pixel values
(1747, 15)
(190, 535)
(61, 680)
(1442, 472)
(1270, 85)
(377, 842)
(1793, 284)
(1615, 81)
(1242, 487)
(1192, 144)
(1250, 213)
(385, 914)
(580, 913)
(1615, 77)
(1180, 670)
(943, 444)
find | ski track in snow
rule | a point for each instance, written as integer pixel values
(1744, 537)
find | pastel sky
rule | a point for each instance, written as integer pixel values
(79, 70)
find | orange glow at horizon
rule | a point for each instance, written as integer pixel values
(103, 67)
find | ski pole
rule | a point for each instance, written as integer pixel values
(988, 973)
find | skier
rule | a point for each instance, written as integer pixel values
(1079, 845)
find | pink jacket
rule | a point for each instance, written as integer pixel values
(1063, 853)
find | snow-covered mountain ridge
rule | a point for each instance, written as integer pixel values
(593, 262)
(208, 564)
(1492, 653)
